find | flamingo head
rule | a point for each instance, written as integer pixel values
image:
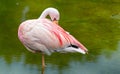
(54, 14)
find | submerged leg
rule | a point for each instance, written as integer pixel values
(43, 63)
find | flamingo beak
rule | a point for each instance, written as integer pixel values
(55, 21)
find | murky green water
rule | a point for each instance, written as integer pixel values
(95, 23)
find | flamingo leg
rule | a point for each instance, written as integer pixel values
(43, 63)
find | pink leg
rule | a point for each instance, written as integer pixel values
(43, 63)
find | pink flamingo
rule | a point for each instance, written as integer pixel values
(46, 36)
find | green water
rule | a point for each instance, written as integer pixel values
(95, 23)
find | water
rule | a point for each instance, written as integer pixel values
(94, 23)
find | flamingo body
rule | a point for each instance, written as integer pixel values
(43, 35)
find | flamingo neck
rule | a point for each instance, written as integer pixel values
(44, 14)
(52, 12)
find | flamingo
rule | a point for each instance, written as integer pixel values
(46, 36)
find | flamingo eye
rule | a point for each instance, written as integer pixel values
(54, 19)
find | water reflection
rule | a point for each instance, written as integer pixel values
(17, 67)
(24, 13)
(103, 65)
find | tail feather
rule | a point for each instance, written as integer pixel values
(72, 50)
(76, 43)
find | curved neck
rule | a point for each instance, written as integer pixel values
(44, 14)
(52, 12)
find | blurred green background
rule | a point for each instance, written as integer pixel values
(95, 23)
